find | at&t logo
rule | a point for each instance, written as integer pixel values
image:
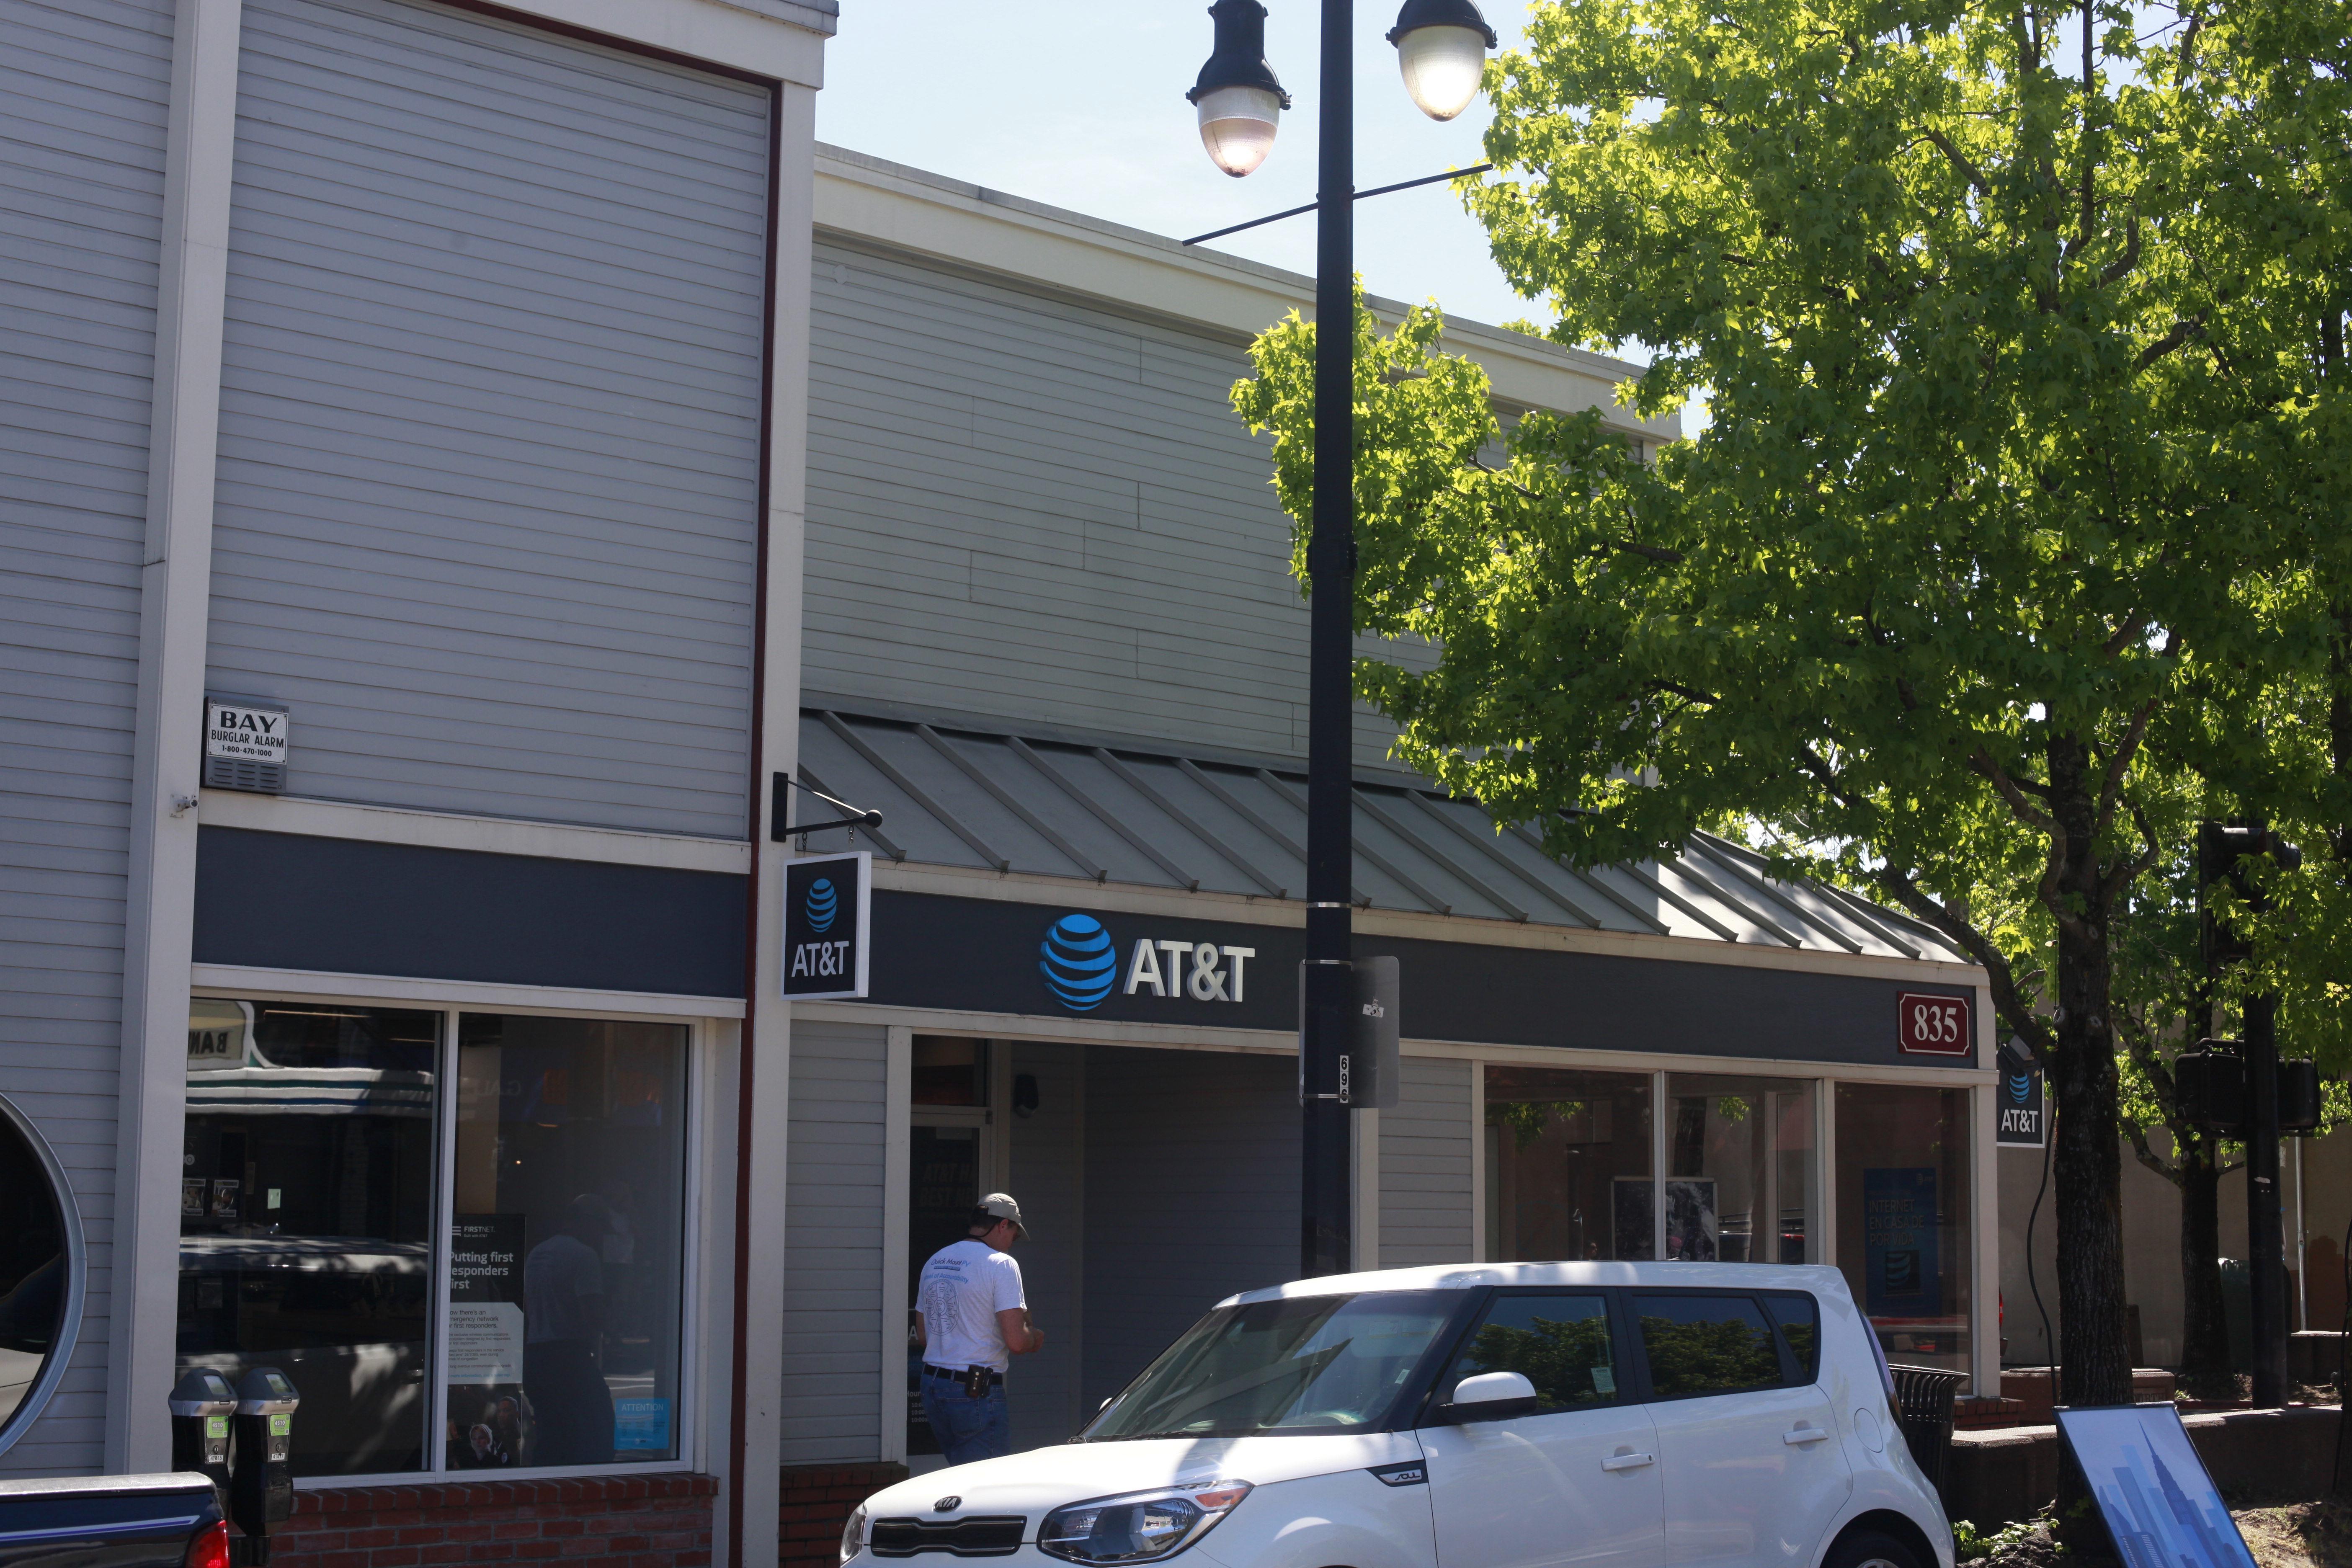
(1080, 964)
(823, 904)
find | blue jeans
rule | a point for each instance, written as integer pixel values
(967, 1428)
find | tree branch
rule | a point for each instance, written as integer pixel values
(1960, 160)
(2182, 330)
(1981, 761)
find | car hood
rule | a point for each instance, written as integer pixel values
(1045, 1479)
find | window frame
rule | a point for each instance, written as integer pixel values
(1791, 1369)
(688, 1418)
(1612, 1310)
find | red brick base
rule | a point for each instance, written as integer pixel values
(623, 1521)
(816, 1503)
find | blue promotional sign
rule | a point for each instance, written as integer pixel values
(1903, 1276)
(829, 903)
(641, 1424)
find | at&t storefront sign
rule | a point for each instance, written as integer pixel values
(1081, 964)
(828, 902)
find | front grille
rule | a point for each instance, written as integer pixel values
(982, 1535)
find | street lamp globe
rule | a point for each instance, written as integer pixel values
(1240, 101)
(1441, 49)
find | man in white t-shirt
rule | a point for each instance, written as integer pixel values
(971, 1318)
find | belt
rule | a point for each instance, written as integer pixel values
(954, 1377)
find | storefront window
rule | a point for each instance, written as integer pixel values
(567, 1228)
(1903, 1214)
(1568, 1164)
(305, 1217)
(1739, 1171)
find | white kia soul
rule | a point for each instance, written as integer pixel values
(1506, 1416)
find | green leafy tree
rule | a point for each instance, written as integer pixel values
(1970, 518)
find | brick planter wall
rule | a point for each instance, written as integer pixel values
(816, 1502)
(618, 1521)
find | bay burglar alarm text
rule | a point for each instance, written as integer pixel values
(253, 732)
(245, 745)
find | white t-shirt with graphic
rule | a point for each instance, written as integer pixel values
(963, 1288)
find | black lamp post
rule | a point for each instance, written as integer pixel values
(1441, 50)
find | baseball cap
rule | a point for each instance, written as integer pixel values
(1002, 1206)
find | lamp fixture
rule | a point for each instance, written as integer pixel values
(1238, 97)
(1441, 49)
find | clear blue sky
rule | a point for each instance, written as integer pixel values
(1081, 103)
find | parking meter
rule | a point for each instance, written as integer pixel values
(201, 1407)
(261, 1484)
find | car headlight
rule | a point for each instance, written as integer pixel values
(852, 1534)
(1138, 1527)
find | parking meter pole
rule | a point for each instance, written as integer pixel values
(2266, 1236)
(1327, 988)
(261, 1480)
(201, 1407)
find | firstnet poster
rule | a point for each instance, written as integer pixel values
(1904, 1278)
(486, 1300)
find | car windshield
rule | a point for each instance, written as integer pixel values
(1306, 1364)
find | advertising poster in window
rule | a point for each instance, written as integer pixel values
(1899, 1218)
(486, 1337)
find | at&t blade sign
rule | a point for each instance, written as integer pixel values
(828, 901)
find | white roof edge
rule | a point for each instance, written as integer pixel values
(1594, 1272)
(977, 227)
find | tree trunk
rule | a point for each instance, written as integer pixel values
(2095, 1361)
(2205, 1331)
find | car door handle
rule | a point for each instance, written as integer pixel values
(1804, 1435)
(1628, 1461)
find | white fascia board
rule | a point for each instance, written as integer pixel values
(484, 834)
(1133, 271)
(782, 40)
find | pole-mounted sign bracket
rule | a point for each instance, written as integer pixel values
(780, 804)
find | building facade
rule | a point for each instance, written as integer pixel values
(459, 456)
(1052, 636)
(404, 470)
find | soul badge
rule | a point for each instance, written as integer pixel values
(827, 902)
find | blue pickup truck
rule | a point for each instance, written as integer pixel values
(112, 1521)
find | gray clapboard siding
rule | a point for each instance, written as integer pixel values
(1426, 1153)
(1023, 508)
(832, 1240)
(1048, 1177)
(1203, 1149)
(487, 511)
(84, 90)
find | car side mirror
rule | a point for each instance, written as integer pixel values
(1491, 1396)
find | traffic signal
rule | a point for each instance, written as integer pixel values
(2222, 849)
(2209, 1084)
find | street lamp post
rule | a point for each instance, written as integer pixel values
(1441, 50)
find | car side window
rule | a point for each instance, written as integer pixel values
(1557, 1339)
(1799, 1319)
(1699, 1344)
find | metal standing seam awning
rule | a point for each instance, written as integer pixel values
(1152, 818)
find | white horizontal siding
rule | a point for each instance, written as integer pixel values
(1426, 1153)
(490, 417)
(1024, 508)
(84, 89)
(832, 1245)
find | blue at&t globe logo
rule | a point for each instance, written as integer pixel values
(823, 904)
(2020, 1085)
(1078, 961)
